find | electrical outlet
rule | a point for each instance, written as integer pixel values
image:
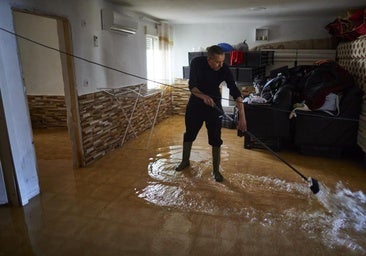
(96, 41)
(85, 83)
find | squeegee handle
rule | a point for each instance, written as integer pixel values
(276, 155)
(223, 112)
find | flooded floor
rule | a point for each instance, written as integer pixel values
(132, 202)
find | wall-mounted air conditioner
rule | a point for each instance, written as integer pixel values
(117, 22)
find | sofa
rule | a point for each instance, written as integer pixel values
(309, 128)
(269, 121)
(327, 134)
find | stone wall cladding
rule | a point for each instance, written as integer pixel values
(180, 96)
(47, 111)
(110, 118)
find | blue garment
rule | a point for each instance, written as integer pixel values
(226, 47)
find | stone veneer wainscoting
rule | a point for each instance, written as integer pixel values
(47, 111)
(110, 118)
(105, 115)
(180, 96)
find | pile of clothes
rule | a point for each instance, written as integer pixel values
(349, 28)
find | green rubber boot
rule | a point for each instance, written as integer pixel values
(185, 156)
(216, 164)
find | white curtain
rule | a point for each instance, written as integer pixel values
(165, 33)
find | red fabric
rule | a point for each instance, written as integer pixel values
(236, 57)
(349, 29)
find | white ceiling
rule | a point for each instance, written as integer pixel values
(225, 11)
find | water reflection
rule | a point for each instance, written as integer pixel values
(337, 218)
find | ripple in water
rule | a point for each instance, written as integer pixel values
(338, 217)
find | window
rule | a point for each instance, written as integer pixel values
(153, 62)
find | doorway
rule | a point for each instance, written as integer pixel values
(48, 75)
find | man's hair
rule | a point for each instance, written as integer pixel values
(213, 50)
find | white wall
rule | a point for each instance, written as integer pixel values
(119, 51)
(16, 110)
(190, 37)
(42, 69)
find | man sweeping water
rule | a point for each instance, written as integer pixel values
(206, 75)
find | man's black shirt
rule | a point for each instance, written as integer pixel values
(208, 80)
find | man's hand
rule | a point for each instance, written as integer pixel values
(206, 99)
(242, 122)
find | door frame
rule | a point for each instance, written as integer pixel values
(6, 159)
(68, 74)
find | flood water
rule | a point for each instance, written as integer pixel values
(133, 202)
(266, 194)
